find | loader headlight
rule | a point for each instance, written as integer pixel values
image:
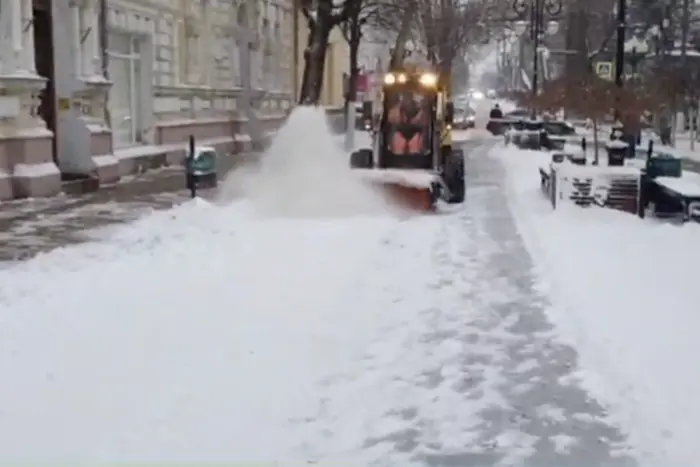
(402, 78)
(428, 79)
(389, 79)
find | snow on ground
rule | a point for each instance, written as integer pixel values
(631, 290)
(212, 333)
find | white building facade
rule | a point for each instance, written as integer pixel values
(173, 69)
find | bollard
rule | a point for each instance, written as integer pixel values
(583, 144)
(189, 169)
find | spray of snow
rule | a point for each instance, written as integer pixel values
(485, 62)
(305, 173)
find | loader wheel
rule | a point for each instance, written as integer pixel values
(454, 176)
(361, 159)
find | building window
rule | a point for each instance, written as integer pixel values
(124, 102)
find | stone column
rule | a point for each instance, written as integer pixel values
(204, 44)
(6, 58)
(91, 46)
(76, 27)
(15, 14)
(27, 31)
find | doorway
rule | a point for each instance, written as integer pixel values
(44, 61)
(124, 97)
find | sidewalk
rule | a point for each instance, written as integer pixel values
(28, 227)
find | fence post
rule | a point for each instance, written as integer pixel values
(553, 186)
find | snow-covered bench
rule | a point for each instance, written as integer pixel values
(684, 190)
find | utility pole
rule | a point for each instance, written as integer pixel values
(685, 26)
(295, 51)
(104, 52)
(620, 45)
(537, 10)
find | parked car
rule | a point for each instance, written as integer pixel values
(517, 114)
(464, 118)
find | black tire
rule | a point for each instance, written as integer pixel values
(361, 159)
(454, 176)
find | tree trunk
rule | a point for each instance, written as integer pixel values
(314, 66)
(355, 36)
(401, 38)
(305, 74)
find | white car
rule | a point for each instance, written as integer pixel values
(476, 94)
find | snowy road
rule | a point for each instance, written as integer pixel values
(206, 335)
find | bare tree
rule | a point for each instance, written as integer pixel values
(591, 97)
(360, 14)
(449, 27)
(321, 17)
(589, 30)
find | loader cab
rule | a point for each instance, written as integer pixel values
(411, 124)
(412, 119)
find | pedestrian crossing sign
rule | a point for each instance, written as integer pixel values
(604, 69)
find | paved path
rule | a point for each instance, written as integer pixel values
(541, 395)
(28, 227)
(478, 378)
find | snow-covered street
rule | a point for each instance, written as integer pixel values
(212, 333)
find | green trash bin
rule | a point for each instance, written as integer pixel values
(203, 167)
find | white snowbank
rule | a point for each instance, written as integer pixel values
(632, 293)
(306, 173)
(197, 334)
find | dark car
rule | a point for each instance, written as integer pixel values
(559, 128)
(517, 114)
(464, 118)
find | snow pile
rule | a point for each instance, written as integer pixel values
(631, 290)
(305, 173)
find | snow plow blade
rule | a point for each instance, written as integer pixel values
(408, 189)
(419, 199)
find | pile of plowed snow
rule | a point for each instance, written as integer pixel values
(305, 173)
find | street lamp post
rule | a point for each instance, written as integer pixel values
(538, 11)
(620, 43)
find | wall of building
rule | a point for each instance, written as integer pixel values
(174, 67)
